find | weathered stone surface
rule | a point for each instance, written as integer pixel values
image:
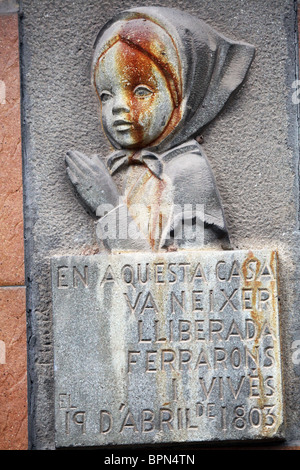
(172, 347)
(253, 148)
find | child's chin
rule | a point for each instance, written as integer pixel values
(130, 144)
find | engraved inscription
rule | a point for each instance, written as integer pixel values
(183, 346)
(71, 277)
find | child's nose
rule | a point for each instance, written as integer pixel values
(120, 105)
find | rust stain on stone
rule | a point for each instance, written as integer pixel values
(140, 51)
(256, 285)
(146, 41)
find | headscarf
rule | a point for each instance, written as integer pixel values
(202, 67)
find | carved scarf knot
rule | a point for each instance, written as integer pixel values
(122, 158)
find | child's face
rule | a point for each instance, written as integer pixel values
(136, 102)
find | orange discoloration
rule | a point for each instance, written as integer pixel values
(140, 35)
(256, 284)
(141, 55)
(134, 69)
(156, 216)
(253, 283)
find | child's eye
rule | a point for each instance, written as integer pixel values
(142, 91)
(105, 96)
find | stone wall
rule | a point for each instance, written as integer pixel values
(252, 146)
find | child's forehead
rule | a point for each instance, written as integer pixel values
(123, 61)
(123, 54)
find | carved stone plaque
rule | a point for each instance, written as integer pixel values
(166, 347)
(167, 334)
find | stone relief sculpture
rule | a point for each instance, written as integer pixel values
(179, 338)
(161, 75)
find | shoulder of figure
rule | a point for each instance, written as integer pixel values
(188, 158)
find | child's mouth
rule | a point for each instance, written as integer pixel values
(121, 125)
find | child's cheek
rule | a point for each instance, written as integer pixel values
(107, 118)
(138, 116)
(142, 110)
